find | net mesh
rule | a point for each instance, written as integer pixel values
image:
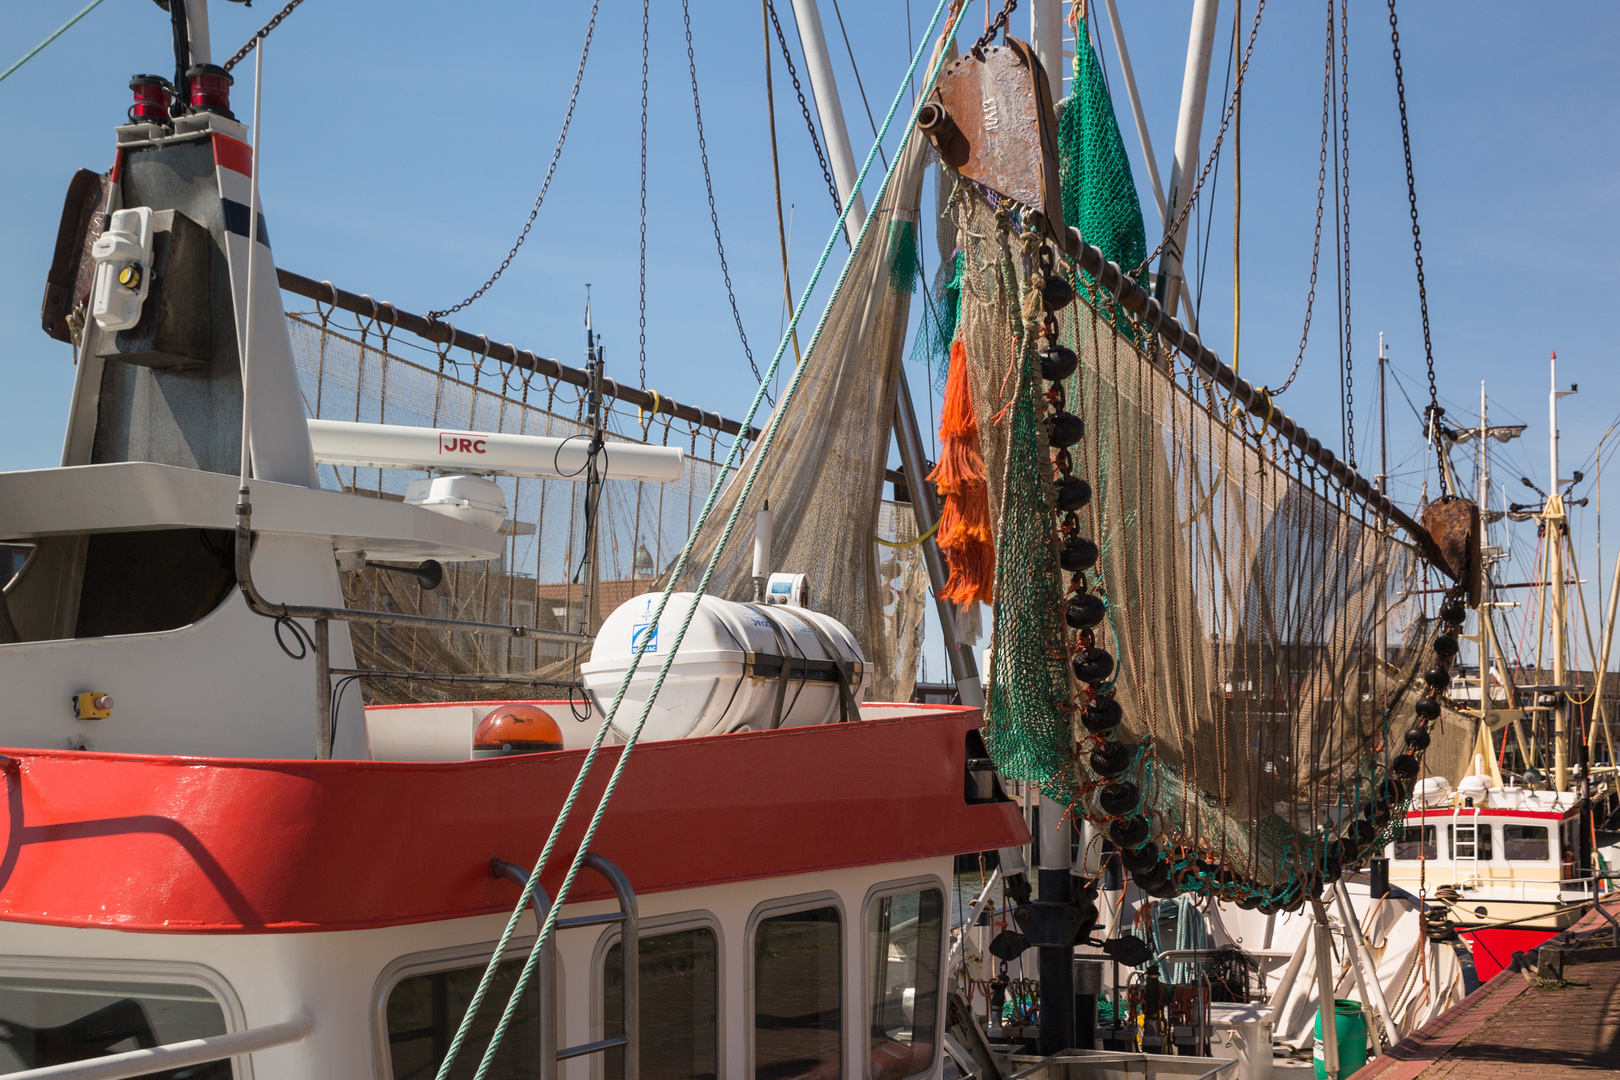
(1266, 624)
(825, 474)
(355, 373)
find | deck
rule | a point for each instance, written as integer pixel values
(1509, 1028)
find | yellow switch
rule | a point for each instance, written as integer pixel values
(92, 705)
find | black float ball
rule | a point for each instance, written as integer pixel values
(1058, 363)
(1113, 759)
(1417, 740)
(1427, 708)
(1140, 860)
(1452, 610)
(1362, 832)
(1064, 429)
(1389, 791)
(1437, 677)
(1078, 553)
(1405, 766)
(1445, 646)
(1102, 716)
(1072, 493)
(1129, 832)
(1249, 903)
(1119, 799)
(1092, 665)
(1056, 293)
(1084, 611)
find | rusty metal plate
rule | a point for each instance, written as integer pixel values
(1001, 104)
(1454, 524)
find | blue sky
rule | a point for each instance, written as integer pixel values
(403, 146)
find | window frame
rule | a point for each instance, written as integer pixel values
(449, 958)
(1423, 843)
(788, 905)
(1547, 838)
(1452, 840)
(896, 888)
(125, 969)
(653, 927)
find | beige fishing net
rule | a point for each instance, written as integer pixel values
(1266, 623)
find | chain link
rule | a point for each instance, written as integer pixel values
(646, 18)
(253, 41)
(708, 186)
(1321, 197)
(1417, 236)
(1344, 160)
(997, 24)
(551, 171)
(804, 107)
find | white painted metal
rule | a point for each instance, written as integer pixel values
(1189, 126)
(344, 976)
(245, 338)
(126, 243)
(129, 495)
(397, 446)
(1136, 109)
(146, 1062)
(197, 31)
(818, 64)
(1046, 35)
(1326, 1003)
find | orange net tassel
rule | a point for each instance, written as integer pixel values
(964, 518)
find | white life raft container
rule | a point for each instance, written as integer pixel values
(741, 666)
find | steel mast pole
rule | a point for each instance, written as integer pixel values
(1189, 128)
(1484, 611)
(1555, 522)
(908, 434)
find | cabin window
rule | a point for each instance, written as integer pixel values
(425, 1010)
(904, 939)
(56, 1021)
(798, 1000)
(1415, 842)
(1528, 843)
(1469, 841)
(680, 1006)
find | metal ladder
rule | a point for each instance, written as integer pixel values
(1473, 847)
(630, 1002)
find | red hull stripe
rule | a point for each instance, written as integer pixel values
(233, 154)
(213, 845)
(1466, 814)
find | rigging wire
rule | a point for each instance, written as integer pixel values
(708, 186)
(646, 19)
(58, 32)
(551, 171)
(776, 168)
(1207, 230)
(253, 41)
(857, 69)
(804, 107)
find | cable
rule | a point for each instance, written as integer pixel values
(58, 32)
(856, 68)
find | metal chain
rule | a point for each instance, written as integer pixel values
(997, 24)
(1344, 159)
(804, 107)
(253, 41)
(1411, 195)
(1214, 151)
(551, 171)
(646, 18)
(1321, 196)
(708, 186)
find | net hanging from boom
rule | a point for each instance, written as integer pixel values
(1267, 631)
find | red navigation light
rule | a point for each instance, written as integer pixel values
(152, 97)
(211, 89)
(516, 729)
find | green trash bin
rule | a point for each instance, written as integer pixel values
(1351, 1027)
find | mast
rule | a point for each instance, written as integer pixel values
(1484, 612)
(1383, 420)
(1555, 520)
(1189, 128)
(908, 435)
(1046, 35)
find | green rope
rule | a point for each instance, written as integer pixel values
(35, 51)
(905, 261)
(549, 927)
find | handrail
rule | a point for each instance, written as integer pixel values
(630, 966)
(175, 1055)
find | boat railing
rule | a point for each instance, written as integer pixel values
(166, 1058)
(630, 966)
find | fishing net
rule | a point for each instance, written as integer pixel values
(825, 474)
(354, 374)
(1265, 622)
(1094, 172)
